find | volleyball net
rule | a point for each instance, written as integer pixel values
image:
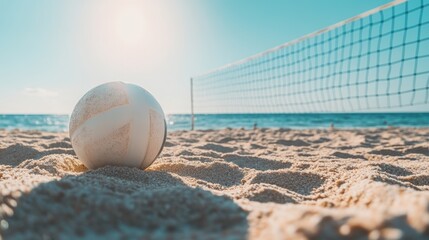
(376, 60)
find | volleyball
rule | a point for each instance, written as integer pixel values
(117, 124)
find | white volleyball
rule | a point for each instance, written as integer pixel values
(118, 124)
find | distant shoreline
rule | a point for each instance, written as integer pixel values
(59, 123)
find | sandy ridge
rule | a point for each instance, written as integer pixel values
(232, 183)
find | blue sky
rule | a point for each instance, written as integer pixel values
(52, 52)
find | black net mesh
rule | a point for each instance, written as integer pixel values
(377, 60)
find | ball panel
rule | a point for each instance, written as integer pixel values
(148, 98)
(157, 137)
(109, 150)
(97, 100)
(78, 143)
(103, 123)
(140, 125)
(98, 129)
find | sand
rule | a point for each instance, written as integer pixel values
(229, 184)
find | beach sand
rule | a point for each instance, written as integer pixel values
(222, 184)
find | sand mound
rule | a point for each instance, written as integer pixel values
(232, 183)
(123, 203)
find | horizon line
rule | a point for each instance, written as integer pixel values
(166, 114)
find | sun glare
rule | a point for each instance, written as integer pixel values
(132, 35)
(129, 24)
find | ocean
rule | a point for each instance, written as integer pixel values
(59, 123)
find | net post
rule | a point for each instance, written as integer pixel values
(192, 104)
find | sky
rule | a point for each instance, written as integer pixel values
(52, 52)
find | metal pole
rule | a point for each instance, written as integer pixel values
(192, 105)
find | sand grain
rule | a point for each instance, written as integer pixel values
(232, 184)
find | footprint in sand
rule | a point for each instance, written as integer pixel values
(256, 163)
(418, 150)
(16, 153)
(270, 195)
(216, 148)
(257, 146)
(386, 152)
(418, 180)
(224, 140)
(62, 144)
(224, 174)
(299, 182)
(347, 155)
(393, 170)
(169, 144)
(57, 151)
(296, 143)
